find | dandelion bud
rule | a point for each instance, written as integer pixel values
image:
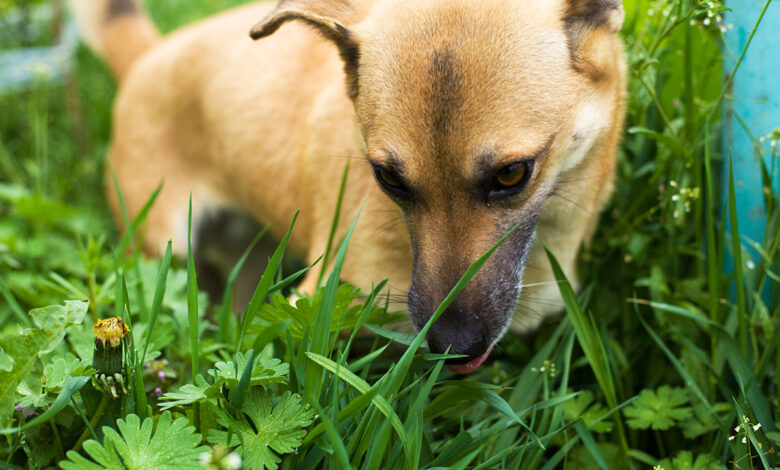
(108, 357)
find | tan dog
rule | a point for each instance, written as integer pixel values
(466, 117)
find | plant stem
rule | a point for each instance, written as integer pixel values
(57, 439)
(93, 422)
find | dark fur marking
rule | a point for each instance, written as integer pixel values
(117, 8)
(445, 93)
(350, 54)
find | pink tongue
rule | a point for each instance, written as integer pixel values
(471, 365)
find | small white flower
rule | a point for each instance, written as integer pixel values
(731, 438)
(737, 429)
(750, 264)
(757, 427)
(706, 22)
(744, 440)
(232, 461)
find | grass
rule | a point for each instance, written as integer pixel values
(660, 358)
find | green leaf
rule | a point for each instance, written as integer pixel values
(273, 429)
(685, 461)
(582, 406)
(71, 386)
(659, 410)
(55, 318)
(22, 351)
(172, 446)
(264, 372)
(702, 421)
(303, 314)
(188, 394)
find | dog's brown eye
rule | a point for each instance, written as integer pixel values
(512, 175)
(388, 177)
(510, 180)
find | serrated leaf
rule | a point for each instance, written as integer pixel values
(304, 313)
(265, 371)
(278, 429)
(702, 421)
(57, 372)
(172, 446)
(189, 394)
(582, 406)
(659, 410)
(685, 461)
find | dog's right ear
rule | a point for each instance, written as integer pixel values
(331, 18)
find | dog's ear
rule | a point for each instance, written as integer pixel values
(332, 18)
(590, 27)
(607, 14)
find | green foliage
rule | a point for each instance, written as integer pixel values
(21, 359)
(685, 461)
(304, 313)
(660, 409)
(264, 371)
(583, 406)
(170, 445)
(267, 428)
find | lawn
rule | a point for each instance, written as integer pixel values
(666, 358)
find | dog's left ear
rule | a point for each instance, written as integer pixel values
(590, 27)
(332, 18)
(607, 14)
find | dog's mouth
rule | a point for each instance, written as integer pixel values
(469, 366)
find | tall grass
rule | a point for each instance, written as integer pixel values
(659, 360)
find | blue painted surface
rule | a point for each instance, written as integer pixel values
(756, 92)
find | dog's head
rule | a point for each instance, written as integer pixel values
(470, 111)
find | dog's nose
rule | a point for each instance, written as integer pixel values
(461, 332)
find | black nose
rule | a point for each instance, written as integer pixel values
(461, 331)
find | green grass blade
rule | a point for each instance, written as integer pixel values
(225, 313)
(590, 341)
(334, 224)
(363, 387)
(320, 335)
(159, 293)
(130, 228)
(335, 439)
(590, 444)
(192, 298)
(736, 248)
(265, 283)
(237, 399)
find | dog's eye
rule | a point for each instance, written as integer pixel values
(391, 182)
(510, 180)
(388, 178)
(511, 175)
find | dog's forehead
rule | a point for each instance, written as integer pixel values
(460, 78)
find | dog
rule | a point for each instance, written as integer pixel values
(463, 119)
